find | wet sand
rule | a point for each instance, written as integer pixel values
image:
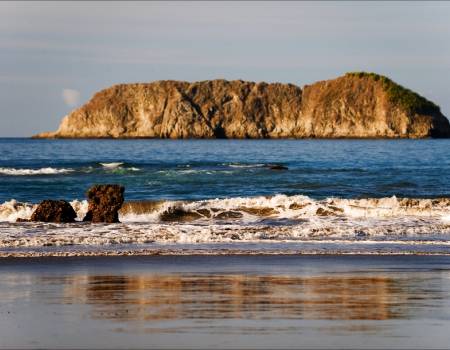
(225, 302)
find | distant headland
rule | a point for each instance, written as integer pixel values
(356, 105)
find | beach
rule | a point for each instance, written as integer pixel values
(225, 302)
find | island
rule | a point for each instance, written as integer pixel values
(355, 105)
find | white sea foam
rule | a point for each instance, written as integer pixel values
(236, 165)
(41, 171)
(189, 171)
(258, 220)
(446, 218)
(13, 210)
(80, 207)
(45, 235)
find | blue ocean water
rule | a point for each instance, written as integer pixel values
(33, 170)
(224, 197)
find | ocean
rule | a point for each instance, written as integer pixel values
(222, 197)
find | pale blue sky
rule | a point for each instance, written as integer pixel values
(54, 56)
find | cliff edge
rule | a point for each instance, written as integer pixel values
(356, 105)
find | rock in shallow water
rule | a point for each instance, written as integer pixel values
(179, 214)
(54, 211)
(276, 167)
(104, 203)
(229, 215)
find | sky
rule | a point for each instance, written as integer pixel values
(55, 55)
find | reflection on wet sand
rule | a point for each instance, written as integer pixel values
(226, 302)
(236, 296)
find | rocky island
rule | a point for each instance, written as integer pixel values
(356, 105)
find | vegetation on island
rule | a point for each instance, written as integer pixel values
(401, 96)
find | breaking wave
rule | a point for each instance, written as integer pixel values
(13, 210)
(240, 165)
(263, 209)
(114, 166)
(111, 165)
(41, 171)
(282, 208)
(248, 220)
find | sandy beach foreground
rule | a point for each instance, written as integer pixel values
(225, 302)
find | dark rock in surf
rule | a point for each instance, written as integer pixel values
(277, 167)
(58, 211)
(22, 220)
(104, 203)
(259, 211)
(323, 212)
(204, 212)
(297, 206)
(229, 215)
(178, 214)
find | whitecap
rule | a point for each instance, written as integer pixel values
(111, 165)
(41, 171)
(238, 165)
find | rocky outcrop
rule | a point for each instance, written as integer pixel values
(54, 211)
(356, 105)
(276, 167)
(178, 214)
(104, 203)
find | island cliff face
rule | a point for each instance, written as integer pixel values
(356, 105)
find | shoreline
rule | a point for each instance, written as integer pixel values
(150, 253)
(253, 260)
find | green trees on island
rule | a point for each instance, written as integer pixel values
(399, 95)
